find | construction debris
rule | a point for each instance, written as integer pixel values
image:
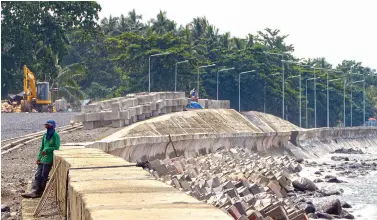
(9, 107)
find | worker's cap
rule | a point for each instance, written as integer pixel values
(51, 122)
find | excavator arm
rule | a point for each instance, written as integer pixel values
(30, 91)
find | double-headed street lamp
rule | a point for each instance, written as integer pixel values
(175, 78)
(217, 81)
(239, 87)
(199, 71)
(154, 55)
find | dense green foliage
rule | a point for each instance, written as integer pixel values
(115, 61)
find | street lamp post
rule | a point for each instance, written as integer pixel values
(217, 81)
(351, 97)
(299, 95)
(175, 78)
(149, 75)
(283, 86)
(328, 108)
(199, 71)
(239, 87)
(306, 97)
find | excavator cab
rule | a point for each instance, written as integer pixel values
(43, 91)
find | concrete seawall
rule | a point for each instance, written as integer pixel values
(204, 131)
(318, 141)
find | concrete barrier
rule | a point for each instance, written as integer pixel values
(214, 104)
(323, 140)
(190, 145)
(122, 111)
(122, 192)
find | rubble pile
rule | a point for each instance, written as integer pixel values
(243, 184)
(9, 108)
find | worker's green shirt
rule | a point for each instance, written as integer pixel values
(49, 146)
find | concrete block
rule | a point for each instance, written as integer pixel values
(79, 118)
(91, 125)
(254, 189)
(249, 199)
(117, 123)
(161, 169)
(115, 107)
(105, 123)
(213, 183)
(231, 193)
(93, 116)
(124, 114)
(240, 208)
(169, 102)
(228, 185)
(168, 109)
(146, 109)
(301, 216)
(92, 108)
(243, 191)
(132, 112)
(153, 106)
(141, 117)
(185, 185)
(115, 115)
(155, 113)
(275, 187)
(277, 213)
(233, 211)
(126, 122)
(254, 215)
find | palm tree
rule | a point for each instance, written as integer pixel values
(162, 24)
(67, 82)
(134, 21)
(110, 26)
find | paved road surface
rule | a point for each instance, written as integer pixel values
(17, 124)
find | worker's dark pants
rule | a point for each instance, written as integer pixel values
(41, 177)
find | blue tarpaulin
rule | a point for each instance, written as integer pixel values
(195, 105)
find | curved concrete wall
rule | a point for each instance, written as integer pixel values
(323, 140)
(190, 145)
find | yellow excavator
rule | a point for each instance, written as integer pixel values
(36, 96)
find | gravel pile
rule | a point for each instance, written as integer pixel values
(18, 124)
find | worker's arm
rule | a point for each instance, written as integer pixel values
(41, 148)
(56, 145)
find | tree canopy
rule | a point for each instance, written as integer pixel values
(113, 60)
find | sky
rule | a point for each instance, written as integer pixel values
(334, 29)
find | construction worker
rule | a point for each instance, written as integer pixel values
(50, 142)
(194, 95)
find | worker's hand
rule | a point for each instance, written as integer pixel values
(43, 153)
(38, 162)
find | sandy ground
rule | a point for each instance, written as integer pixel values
(18, 167)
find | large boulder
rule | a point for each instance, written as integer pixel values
(304, 184)
(333, 207)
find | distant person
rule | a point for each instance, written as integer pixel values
(194, 95)
(50, 142)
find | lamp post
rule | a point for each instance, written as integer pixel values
(217, 81)
(300, 65)
(283, 87)
(239, 87)
(199, 71)
(175, 78)
(351, 97)
(149, 75)
(306, 97)
(299, 95)
(328, 108)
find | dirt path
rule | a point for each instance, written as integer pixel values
(18, 167)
